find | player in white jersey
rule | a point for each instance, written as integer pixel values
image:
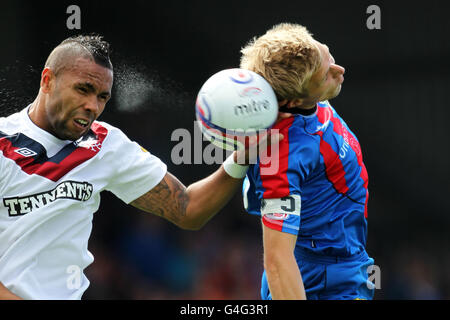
(56, 158)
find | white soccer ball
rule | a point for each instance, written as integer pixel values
(233, 105)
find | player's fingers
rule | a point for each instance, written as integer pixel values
(283, 115)
(256, 145)
(276, 137)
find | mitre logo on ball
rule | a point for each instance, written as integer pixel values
(234, 104)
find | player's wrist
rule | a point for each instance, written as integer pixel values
(233, 169)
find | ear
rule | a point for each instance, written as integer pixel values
(47, 78)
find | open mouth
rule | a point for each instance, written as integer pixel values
(81, 123)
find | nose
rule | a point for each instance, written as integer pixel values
(92, 105)
(340, 69)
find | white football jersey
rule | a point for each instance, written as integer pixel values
(49, 190)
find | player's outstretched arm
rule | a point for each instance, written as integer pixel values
(189, 207)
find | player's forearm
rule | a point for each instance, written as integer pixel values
(284, 278)
(6, 294)
(189, 208)
(208, 196)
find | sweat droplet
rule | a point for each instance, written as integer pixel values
(19, 84)
(138, 88)
(133, 90)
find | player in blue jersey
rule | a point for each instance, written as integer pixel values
(314, 209)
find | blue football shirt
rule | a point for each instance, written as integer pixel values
(317, 186)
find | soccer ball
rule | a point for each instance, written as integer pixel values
(233, 105)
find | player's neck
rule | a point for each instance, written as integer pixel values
(35, 112)
(305, 111)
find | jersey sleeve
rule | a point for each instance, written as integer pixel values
(136, 171)
(282, 214)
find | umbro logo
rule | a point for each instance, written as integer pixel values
(25, 152)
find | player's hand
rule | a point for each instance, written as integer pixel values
(257, 145)
(283, 115)
(260, 143)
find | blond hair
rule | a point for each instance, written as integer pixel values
(286, 56)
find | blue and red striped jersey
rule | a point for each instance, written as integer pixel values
(320, 189)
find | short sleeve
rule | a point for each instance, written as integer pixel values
(277, 197)
(136, 170)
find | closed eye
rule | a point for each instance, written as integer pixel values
(85, 88)
(104, 97)
(82, 90)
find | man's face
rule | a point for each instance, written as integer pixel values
(326, 82)
(76, 97)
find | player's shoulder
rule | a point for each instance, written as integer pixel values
(11, 121)
(96, 125)
(326, 111)
(112, 137)
(107, 129)
(325, 104)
